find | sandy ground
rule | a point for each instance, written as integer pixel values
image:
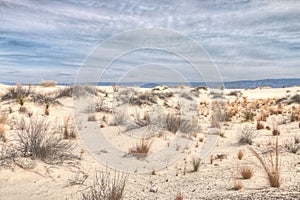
(217, 174)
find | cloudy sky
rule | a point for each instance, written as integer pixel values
(52, 39)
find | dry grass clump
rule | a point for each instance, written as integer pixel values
(141, 149)
(141, 119)
(238, 185)
(271, 165)
(260, 125)
(107, 186)
(240, 154)
(173, 122)
(246, 135)
(47, 83)
(246, 172)
(38, 140)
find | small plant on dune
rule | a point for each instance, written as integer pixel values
(38, 140)
(47, 111)
(69, 132)
(141, 149)
(271, 165)
(106, 186)
(21, 101)
(179, 196)
(3, 132)
(259, 125)
(238, 185)
(172, 122)
(246, 172)
(240, 154)
(246, 135)
(248, 115)
(275, 130)
(196, 164)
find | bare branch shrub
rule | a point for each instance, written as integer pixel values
(38, 141)
(246, 135)
(107, 186)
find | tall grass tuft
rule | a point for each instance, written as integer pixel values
(271, 165)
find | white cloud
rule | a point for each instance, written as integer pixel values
(241, 36)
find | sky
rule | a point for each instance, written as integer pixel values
(52, 40)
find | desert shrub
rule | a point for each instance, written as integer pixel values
(164, 95)
(217, 117)
(141, 149)
(246, 172)
(107, 186)
(76, 91)
(196, 164)
(186, 96)
(7, 155)
(248, 115)
(119, 118)
(294, 99)
(246, 135)
(173, 122)
(188, 126)
(47, 83)
(142, 120)
(38, 140)
(271, 165)
(15, 92)
(141, 98)
(235, 93)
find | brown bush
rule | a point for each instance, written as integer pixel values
(246, 172)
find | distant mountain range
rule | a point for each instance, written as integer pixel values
(274, 83)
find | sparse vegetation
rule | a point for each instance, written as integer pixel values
(271, 165)
(107, 186)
